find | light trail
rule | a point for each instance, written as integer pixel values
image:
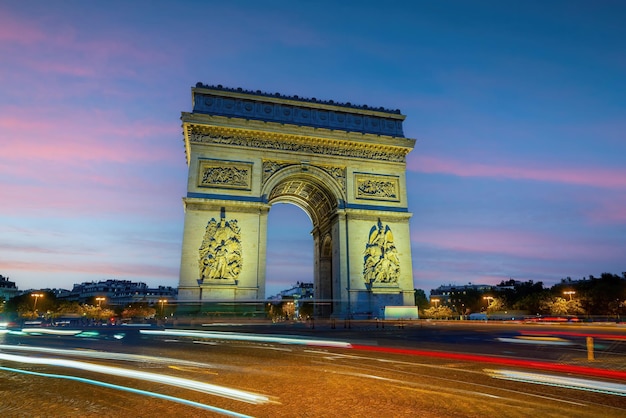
(223, 391)
(535, 340)
(246, 337)
(608, 388)
(576, 334)
(50, 331)
(106, 355)
(506, 361)
(131, 390)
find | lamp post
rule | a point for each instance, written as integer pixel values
(570, 293)
(36, 296)
(100, 300)
(436, 301)
(488, 299)
(162, 302)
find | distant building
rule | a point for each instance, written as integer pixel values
(120, 292)
(7, 288)
(58, 293)
(451, 294)
(299, 291)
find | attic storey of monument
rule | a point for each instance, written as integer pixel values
(344, 165)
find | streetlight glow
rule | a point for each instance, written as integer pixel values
(436, 301)
(36, 296)
(100, 300)
(162, 302)
(570, 293)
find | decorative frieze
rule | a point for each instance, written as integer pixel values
(198, 134)
(376, 187)
(224, 174)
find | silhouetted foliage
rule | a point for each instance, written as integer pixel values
(421, 301)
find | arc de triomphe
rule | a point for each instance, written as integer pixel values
(344, 165)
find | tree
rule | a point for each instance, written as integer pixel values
(554, 306)
(561, 306)
(496, 305)
(438, 312)
(139, 311)
(421, 301)
(99, 313)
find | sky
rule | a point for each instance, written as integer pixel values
(518, 109)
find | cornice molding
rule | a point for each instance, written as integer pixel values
(239, 103)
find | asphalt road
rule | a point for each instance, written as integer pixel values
(343, 369)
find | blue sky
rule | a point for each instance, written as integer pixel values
(518, 109)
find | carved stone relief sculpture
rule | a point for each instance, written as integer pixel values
(224, 174)
(377, 187)
(381, 266)
(199, 135)
(220, 254)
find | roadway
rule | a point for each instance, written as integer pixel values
(360, 369)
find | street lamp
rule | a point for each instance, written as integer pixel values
(36, 296)
(100, 300)
(436, 301)
(488, 299)
(162, 302)
(570, 293)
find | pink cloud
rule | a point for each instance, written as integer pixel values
(81, 135)
(540, 246)
(62, 200)
(118, 269)
(594, 177)
(57, 47)
(608, 210)
(18, 31)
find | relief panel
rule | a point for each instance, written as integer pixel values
(381, 266)
(376, 187)
(225, 174)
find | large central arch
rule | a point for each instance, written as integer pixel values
(343, 165)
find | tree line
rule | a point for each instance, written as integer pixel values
(594, 296)
(46, 306)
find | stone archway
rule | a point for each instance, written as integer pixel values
(343, 165)
(315, 192)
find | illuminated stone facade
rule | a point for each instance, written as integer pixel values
(342, 164)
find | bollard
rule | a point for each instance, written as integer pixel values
(590, 349)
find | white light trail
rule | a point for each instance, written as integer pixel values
(246, 337)
(106, 355)
(608, 388)
(536, 340)
(223, 391)
(132, 390)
